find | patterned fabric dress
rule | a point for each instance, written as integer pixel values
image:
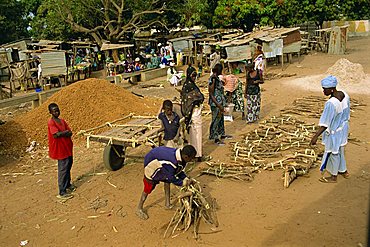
(217, 128)
(237, 98)
(191, 108)
(234, 89)
(253, 98)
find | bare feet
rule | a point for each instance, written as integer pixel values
(141, 214)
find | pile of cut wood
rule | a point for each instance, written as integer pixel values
(233, 171)
(279, 142)
(193, 207)
(312, 106)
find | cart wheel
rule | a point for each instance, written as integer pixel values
(114, 157)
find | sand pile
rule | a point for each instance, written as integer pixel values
(83, 105)
(347, 72)
(351, 78)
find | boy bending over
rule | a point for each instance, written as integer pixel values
(164, 164)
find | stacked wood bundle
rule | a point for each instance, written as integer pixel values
(233, 171)
(312, 106)
(279, 143)
(193, 207)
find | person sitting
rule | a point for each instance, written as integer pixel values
(170, 124)
(138, 66)
(173, 76)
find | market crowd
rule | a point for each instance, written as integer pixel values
(181, 142)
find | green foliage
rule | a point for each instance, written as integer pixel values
(244, 14)
(193, 12)
(70, 19)
(13, 24)
(356, 9)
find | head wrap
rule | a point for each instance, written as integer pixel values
(329, 82)
(190, 96)
(189, 71)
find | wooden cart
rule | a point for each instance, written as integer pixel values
(139, 130)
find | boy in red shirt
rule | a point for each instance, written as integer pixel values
(60, 148)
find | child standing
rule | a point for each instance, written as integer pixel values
(60, 148)
(170, 124)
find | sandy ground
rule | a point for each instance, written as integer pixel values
(257, 213)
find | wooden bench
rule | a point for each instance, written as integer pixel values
(36, 98)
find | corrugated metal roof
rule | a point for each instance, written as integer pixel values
(181, 38)
(106, 46)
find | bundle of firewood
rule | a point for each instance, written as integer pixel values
(231, 170)
(281, 142)
(193, 207)
(312, 106)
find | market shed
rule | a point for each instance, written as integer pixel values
(54, 64)
(281, 41)
(237, 50)
(185, 45)
(331, 40)
(113, 48)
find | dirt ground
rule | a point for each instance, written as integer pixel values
(257, 213)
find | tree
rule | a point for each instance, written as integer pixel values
(110, 20)
(355, 10)
(47, 24)
(242, 14)
(193, 12)
(13, 24)
(273, 13)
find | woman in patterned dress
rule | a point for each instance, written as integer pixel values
(217, 102)
(253, 93)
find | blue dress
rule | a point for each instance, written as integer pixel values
(335, 118)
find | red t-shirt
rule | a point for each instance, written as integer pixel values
(61, 147)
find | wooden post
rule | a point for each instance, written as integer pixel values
(42, 97)
(282, 61)
(201, 55)
(195, 53)
(35, 103)
(1, 91)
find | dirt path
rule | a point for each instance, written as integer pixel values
(258, 213)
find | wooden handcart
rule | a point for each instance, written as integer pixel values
(138, 131)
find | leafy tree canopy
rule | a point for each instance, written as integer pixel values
(13, 24)
(115, 20)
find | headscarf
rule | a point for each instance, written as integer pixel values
(329, 82)
(190, 96)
